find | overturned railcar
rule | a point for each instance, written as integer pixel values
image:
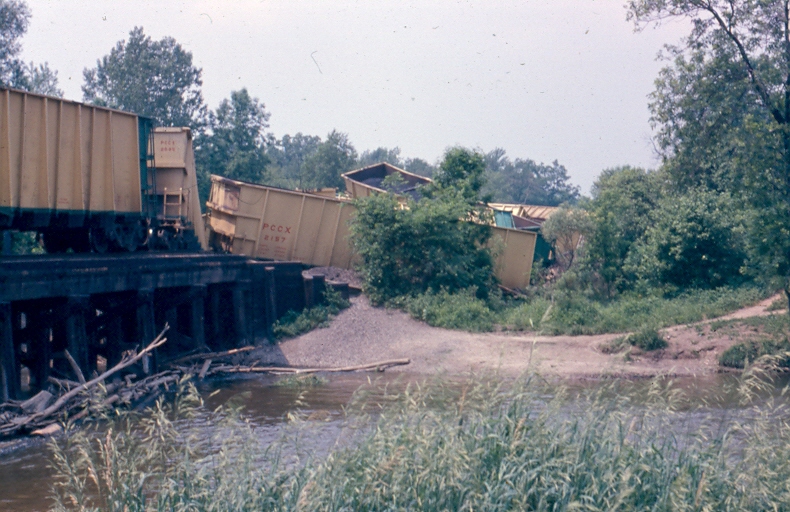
(267, 222)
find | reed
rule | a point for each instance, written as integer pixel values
(476, 445)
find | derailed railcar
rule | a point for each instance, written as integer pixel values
(84, 177)
(271, 223)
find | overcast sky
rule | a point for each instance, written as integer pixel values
(562, 80)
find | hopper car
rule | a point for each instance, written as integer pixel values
(95, 179)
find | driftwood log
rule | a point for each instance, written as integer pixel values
(44, 417)
(44, 413)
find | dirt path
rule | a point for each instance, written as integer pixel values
(364, 334)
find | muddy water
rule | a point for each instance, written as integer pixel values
(25, 477)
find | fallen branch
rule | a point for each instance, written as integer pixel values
(212, 355)
(283, 370)
(159, 341)
(75, 367)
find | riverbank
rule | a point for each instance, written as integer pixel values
(363, 334)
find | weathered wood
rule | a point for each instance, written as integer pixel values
(270, 301)
(37, 403)
(204, 370)
(213, 355)
(77, 308)
(9, 367)
(196, 317)
(319, 287)
(159, 341)
(379, 366)
(146, 326)
(75, 367)
(309, 292)
(240, 313)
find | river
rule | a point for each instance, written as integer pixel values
(25, 476)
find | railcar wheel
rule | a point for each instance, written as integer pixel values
(124, 238)
(80, 240)
(99, 240)
(55, 241)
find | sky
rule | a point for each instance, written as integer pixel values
(564, 80)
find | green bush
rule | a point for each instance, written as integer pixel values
(293, 324)
(743, 354)
(647, 339)
(696, 240)
(574, 314)
(430, 244)
(462, 311)
(578, 314)
(526, 316)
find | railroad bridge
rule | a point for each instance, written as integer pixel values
(92, 309)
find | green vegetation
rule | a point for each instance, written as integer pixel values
(462, 311)
(428, 246)
(469, 446)
(295, 323)
(762, 336)
(647, 339)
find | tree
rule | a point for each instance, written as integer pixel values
(566, 230)
(419, 166)
(333, 157)
(235, 146)
(381, 154)
(461, 171)
(40, 79)
(620, 211)
(154, 79)
(14, 20)
(287, 156)
(736, 65)
(525, 182)
(694, 240)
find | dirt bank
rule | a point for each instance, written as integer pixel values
(364, 334)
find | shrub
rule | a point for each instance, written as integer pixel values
(574, 314)
(526, 316)
(461, 310)
(428, 245)
(742, 354)
(696, 240)
(293, 324)
(647, 339)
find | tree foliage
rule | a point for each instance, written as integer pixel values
(623, 200)
(235, 144)
(462, 171)
(333, 157)
(288, 156)
(381, 154)
(429, 246)
(154, 79)
(723, 109)
(525, 182)
(14, 20)
(694, 240)
(566, 230)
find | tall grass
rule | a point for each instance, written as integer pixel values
(479, 445)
